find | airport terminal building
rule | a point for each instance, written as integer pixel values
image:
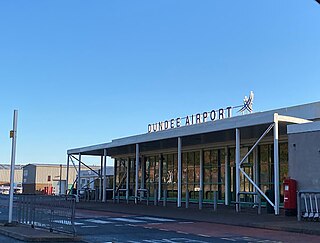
(221, 153)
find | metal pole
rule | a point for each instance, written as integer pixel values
(137, 174)
(165, 197)
(201, 171)
(259, 203)
(201, 180)
(276, 165)
(60, 179)
(215, 200)
(79, 177)
(147, 197)
(160, 178)
(13, 161)
(67, 175)
(104, 192)
(187, 198)
(155, 198)
(100, 178)
(200, 199)
(255, 172)
(299, 206)
(227, 177)
(179, 173)
(127, 180)
(114, 179)
(143, 176)
(237, 168)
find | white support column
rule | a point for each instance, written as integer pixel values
(276, 165)
(179, 173)
(160, 177)
(201, 170)
(104, 189)
(227, 176)
(114, 179)
(137, 174)
(127, 179)
(79, 177)
(143, 172)
(60, 180)
(237, 167)
(255, 171)
(67, 175)
(100, 178)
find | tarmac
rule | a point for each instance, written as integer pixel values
(227, 215)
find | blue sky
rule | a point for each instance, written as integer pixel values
(86, 72)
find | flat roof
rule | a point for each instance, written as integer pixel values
(301, 128)
(57, 165)
(219, 131)
(8, 167)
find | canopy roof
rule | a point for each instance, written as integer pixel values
(219, 131)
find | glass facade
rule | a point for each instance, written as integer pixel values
(170, 175)
(266, 167)
(214, 173)
(132, 172)
(151, 173)
(191, 174)
(217, 163)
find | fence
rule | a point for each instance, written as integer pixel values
(50, 212)
(308, 203)
(4, 208)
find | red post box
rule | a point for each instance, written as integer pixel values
(290, 197)
(50, 190)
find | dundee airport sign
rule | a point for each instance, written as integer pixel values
(201, 117)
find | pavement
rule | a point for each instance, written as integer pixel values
(28, 234)
(226, 215)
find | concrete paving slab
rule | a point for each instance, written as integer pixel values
(26, 233)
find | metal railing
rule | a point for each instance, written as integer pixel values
(165, 196)
(90, 195)
(4, 207)
(118, 194)
(54, 213)
(141, 196)
(308, 203)
(254, 203)
(200, 199)
(155, 195)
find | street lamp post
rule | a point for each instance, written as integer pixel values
(60, 191)
(13, 135)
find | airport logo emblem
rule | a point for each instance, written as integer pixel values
(247, 103)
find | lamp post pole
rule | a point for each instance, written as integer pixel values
(13, 135)
(60, 173)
